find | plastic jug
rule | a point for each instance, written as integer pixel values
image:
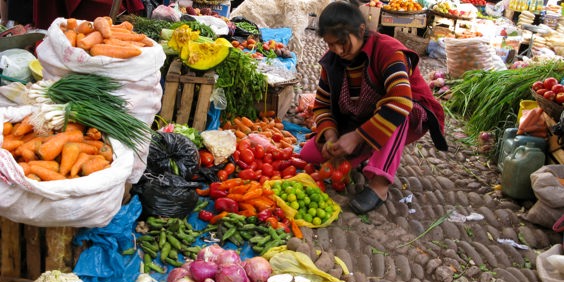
(511, 140)
(518, 166)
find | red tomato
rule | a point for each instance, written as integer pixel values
(345, 167)
(549, 95)
(558, 88)
(267, 169)
(206, 158)
(287, 153)
(265, 46)
(315, 176)
(276, 154)
(229, 168)
(325, 171)
(247, 155)
(222, 175)
(289, 171)
(338, 186)
(541, 91)
(244, 144)
(267, 158)
(263, 179)
(259, 151)
(309, 169)
(277, 137)
(298, 163)
(321, 185)
(559, 98)
(247, 174)
(538, 85)
(337, 176)
(236, 155)
(279, 45)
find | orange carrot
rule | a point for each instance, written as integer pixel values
(7, 128)
(69, 156)
(109, 20)
(28, 155)
(129, 36)
(71, 36)
(11, 144)
(32, 145)
(94, 164)
(72, 23)
(44, 173)
(103, 26)
(93, 134)
(90, 40)
(25, 167)
(240, 134)
(85, 27)
(114, 51)
(52, 165)
(24, 128)
(80, 36)
(147, 42)
(119, 29)
(247, 121)
(107, 152)
(124, 25)
(82, 158)
(96, 143)
(74, 126)
(33, 176)
(118, 42)
(49, 150)
(296, 230)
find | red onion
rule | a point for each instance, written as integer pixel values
(184, 279)
(228, 257)
(186, 264)
(258, 269)
(176, 274)
(210, 253)
(231, 273)
(200, 270)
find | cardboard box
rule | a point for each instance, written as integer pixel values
(278, 99)
(372, 16)
(415, 20)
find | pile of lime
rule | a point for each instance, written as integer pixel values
(312, 204)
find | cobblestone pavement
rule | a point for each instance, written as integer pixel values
(460, 180)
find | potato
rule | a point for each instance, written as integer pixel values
(325, 261)
(306, 249)
(293, 243)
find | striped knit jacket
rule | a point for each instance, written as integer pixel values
(387, 73)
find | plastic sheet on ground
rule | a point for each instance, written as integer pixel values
(281, 35)
(298, 131)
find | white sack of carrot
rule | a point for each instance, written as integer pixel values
(102, 37)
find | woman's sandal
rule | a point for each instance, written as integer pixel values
(365, 201)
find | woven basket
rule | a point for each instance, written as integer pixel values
(412, 41)
(550, 107)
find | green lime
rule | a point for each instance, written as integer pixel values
(315, 198)
(298, 185)
(322, 204)
(324, 196)
(286, 184)
(301, 202)
(298, 216)
(300, 194)
(310, 190)
(276, 191)
(308, 217)
(295, 205)
(329, 209)
(312, 211)
(284, 196)
(316, 221)
(276, 185)
(291, 198)
(321, 213)
(290, 190)
(313, 205)
(307, 200)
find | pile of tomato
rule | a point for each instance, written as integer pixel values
(335, 171)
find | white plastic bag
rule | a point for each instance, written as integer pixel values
(140, 76)
(15, 64)
(88, 201)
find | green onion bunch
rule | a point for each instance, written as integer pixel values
(86, 87)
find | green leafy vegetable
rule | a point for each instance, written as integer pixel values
(192, 134)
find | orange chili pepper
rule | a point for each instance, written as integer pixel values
(240, 189)
(247, 206)
(231, 183)
(248, 213)
(272, 221)
(236, 197)
(219, 216)
(202, 192)
(252, 193)
(261, 203)
(296, 230)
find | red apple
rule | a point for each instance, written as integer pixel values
(549, 95)
(557, 88)
(559, 98)
(549, 82)
(541, 91)
(538, 85)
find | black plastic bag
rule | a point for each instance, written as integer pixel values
(241, 32)
(174, 153)
(166, 195)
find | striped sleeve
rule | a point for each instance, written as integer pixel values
(322, 107)
(394, 107)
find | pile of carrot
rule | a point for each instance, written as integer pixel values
(271, 128)
(103, 38)
(76, 151)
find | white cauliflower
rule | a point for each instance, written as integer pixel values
(57, 276)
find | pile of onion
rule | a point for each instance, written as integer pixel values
(214, 263)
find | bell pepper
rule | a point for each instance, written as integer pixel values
(264, 214)
(226, 204)
(205, 215)
(216, 192)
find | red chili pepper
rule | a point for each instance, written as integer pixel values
(226, 204)
(205, 215)
(283, 225)
(278, 212)
(216, 192)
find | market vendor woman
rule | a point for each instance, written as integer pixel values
(371, 101)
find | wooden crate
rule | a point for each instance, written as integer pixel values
(26, 252)
(186, 98)
(278, 99)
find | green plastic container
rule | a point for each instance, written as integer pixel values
(518, 166)
(510, 141)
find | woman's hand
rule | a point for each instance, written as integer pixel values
(331, 136)
(346, 144)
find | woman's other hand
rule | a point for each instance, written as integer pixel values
(346, 144)
(331, 136)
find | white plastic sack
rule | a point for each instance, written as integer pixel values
(547, 187)
(471, 54)
(140, 76)
(89, 201)
(15, 64)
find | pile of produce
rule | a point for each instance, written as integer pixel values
(403, 6)
(103, 38)
(550, 89)
(258, 50)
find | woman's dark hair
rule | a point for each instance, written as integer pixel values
(340, 19)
